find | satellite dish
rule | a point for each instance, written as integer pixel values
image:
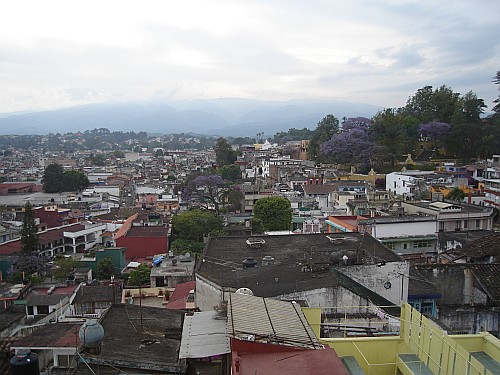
(245, 291)
(316, 221)
(187, 255)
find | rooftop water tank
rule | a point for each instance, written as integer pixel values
(91, 335)
(249, 263)
(24, 363)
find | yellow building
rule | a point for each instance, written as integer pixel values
(421, 347)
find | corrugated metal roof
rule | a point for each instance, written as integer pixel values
(204, 335)
(269, 320)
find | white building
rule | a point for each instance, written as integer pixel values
(406, 184)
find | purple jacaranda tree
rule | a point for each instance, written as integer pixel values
(353, 145)
(433, 131)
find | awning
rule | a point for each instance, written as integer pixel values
(204, 334)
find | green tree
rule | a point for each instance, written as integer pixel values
(467, 128)
(182, 246)
(224, 154)
(140, 276)
(496, 107)
(456, 194)
(104, 269)
(29, 239)
(234, 198)
(53, 178)
(74, 180)
(64, 267)
(324, 131)
(429, 105)
(230, 172)
(193, 225)
(274, 212)
(119, 154)
(389, 132)
(257, 226)
(98, 159)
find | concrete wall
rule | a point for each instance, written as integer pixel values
(457, 285)
(208, 294)
(470, 319)
(374, 277)
(397, 229)
(320, 297)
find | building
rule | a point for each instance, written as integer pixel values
(70, 239)
(91, 301)
(143, 236)
(318, 269)
(407, 184)
(138, 340)
(172, 271)
(469, 295)
(54, 344)
(452, 216)
(54, 216)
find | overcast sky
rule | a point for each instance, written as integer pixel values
(61, 53)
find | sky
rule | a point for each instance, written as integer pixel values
(56, 54)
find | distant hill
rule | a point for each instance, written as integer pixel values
(224, 117)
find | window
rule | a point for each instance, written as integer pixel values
(405, 246)
(478, 223)
(441, 226)
(466, 224)
(43, 309)
(65, 361)
(423, 243)
(458, 226)
(390, 245)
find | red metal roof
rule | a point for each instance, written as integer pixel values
(180, 294)
(300, 362)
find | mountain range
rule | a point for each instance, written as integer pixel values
(219, 117)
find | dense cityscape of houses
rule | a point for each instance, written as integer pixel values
(366, 257)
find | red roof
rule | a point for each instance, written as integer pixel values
(180, 294)
(300, 362)
(59, 335)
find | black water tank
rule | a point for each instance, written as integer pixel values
(249, 263)
(24, 363)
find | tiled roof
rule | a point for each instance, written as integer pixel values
(319, 189)
(488, 245)
(488, 276)
(125, 227)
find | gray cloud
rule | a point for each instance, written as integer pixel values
(376, 52)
